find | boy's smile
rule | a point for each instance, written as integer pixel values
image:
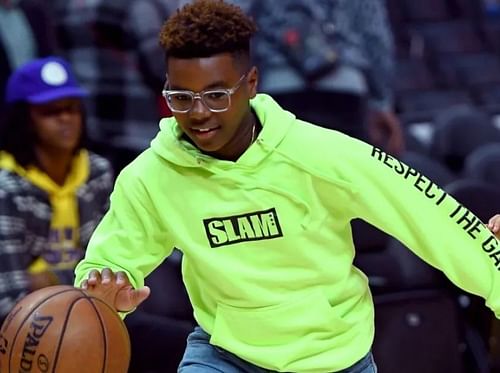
(223, 133)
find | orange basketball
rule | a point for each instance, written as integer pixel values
(61, 329)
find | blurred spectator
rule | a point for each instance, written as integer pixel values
(26, 32)
(491, 7)
(113, 46)
(53, 192)
(331, 63)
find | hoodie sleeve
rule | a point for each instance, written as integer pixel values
(129, 238)
(410, 207)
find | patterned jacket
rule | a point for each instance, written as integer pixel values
(113, 47)
(25, 215)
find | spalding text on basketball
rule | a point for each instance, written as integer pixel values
(37, 329)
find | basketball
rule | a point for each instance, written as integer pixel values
(61, 329)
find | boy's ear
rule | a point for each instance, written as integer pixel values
(253, 80)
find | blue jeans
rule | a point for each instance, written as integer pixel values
(201, 357)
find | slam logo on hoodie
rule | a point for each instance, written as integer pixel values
(254, 226)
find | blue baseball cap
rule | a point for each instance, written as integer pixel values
(43, 80)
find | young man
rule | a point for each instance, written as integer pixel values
(260, 203)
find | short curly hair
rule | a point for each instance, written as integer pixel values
(204, 28)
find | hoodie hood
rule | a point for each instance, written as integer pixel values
(169, 144)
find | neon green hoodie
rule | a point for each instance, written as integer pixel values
(267, 241)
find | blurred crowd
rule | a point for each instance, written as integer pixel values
(113, 49)
(98, 67)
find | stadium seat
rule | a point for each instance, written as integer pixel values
(459, 131)
(469, 70)
(418, 331)
(484, 164)
(425, 10)
(432, 168)
(457, 36)
(413, 74)
(423, 105)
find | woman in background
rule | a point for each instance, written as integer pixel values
(53, 191)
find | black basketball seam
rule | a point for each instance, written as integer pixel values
(63, 331)
(114, 311)
(105, 363)
(29, 314)
(56, 357)
(109, 307)
(103, 302)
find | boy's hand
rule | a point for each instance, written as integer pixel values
(494, 225)
(115, 289)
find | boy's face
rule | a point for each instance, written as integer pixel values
(216, 133)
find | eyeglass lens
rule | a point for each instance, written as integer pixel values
(215, 100)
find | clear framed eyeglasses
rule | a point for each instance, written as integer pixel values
(216, 100)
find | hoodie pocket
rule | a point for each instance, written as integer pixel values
(274, 336)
